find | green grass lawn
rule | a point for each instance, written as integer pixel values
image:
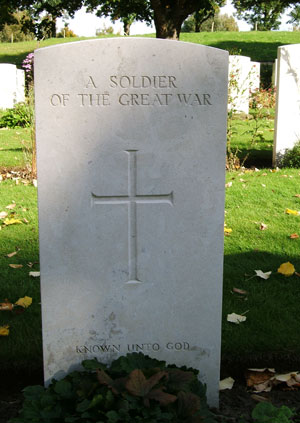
(260, 46)
(271, 331)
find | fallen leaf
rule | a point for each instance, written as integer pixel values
(228, 185)
(34, 183)
(4, 330)
(263, 226)
(24, 302)
(227, 231)
(11, 254)
(292, 212)
(297, 195)
(11, 206)
(263, 185)
(226, 383)
(34, 274)
(6, 306)
(284, 176)
(286, 269)
(11, 221)
(263, 275)
(235, 318)
(259, 398)
(240, 291)
(297, 274)
(25, 220)
(3, 215)
(16, 266)
(260, 379)
(294, 236)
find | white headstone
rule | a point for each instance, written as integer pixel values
(8, 76)
(239, 83)
(254, 82)
(287, 120)
(131, 137)
(20, 86)
(274, 73)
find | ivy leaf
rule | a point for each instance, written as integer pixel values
(162, 397)
(116, 386)
(179, 379)
(286, 269)
(4, 330)
(24, 302)
(139, 386)
(188, 404)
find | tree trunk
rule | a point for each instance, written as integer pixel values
(126, 27)
(168, 19)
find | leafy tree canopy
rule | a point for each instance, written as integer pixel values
(262, 15)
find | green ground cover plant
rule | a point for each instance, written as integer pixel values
(134, 388)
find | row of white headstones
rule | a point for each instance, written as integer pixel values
(244, 78)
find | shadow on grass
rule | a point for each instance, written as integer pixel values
(12, 149)
(16, 59)
(270, 336)
(257, 51)
(256, 158)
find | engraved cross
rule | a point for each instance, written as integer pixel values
(132, 199)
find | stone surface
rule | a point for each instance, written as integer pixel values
(287, 120)
(8, 87)
(20, 86)
(254, 82)
(239, 83)
(131, 137)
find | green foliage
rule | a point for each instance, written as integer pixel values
(20, 115)
(262, 15)
(135, 388)
(66, 32)
(291, 157)
(17, 29)
(265, 412)
(215, 23)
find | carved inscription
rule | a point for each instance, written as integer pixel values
(143, 347)
(131, 200)
(132, 91)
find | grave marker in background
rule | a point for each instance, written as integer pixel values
(131, 137)
(287, 120)
(12, 85)
(239, 83)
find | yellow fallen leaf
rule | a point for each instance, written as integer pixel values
(11, 221)
(292, 212)
(4, 330)
(24, 302)
(286, 269)
(227, 231)
(235, 318)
